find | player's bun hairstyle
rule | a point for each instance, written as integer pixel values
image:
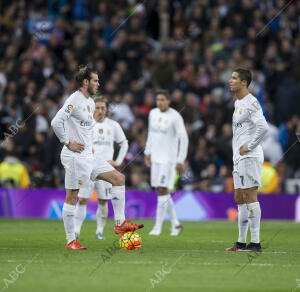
(84, 72)
(244, 74)
(163, 92)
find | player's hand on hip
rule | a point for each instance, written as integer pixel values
(113, 163)
(75, 147)
(147, 160)
(179, 167)
(243, 149)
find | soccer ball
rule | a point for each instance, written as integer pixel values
(130, 241)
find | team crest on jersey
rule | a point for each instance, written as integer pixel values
(240, 112)
(108, 132)
(88, 108)
(79, 182)
(100, 131)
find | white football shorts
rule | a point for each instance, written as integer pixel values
(103, 190)
(163, 175)
(247, 173)
(80, 170)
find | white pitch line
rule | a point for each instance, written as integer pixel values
(211, 264)
(24, 261)
(218, 251)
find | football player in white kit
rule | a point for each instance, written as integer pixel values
(105, 133)
(73, 125)
(249, 128)
(165, 152)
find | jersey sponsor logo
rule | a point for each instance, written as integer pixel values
(85, 124)
(69, 108)
(237, 125)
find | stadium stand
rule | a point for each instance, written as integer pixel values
(187, 47)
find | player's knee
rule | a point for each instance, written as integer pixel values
(71, 196)
(251, 195)
(119, 179)
(82, 201)
(102, 202)
(162, 191)
(238, 196)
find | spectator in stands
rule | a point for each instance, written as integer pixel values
(187, 47)
(269, 178)
(13, 173)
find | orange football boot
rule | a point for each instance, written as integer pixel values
(74, 245)
(127, 226)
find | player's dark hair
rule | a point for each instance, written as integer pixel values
(244, 74)
(102, 98)
(84, 72)
(163, 92)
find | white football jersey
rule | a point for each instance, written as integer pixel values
(104, 136)
(167, 139)
(74, 122)
(248, 126)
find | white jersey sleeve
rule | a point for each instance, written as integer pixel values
(249, 127)
(149, 137)
(182, 139)
(58, 122)
(75, 122)
(258, 119)
(120, 138)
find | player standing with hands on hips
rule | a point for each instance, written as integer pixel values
(249, 128)
(105, 133)
(166, 150)
(73, 125)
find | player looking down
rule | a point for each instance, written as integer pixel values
(105, 133)
(73, 125)
(166, 150)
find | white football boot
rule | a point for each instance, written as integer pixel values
(176, 230)
(155, 231)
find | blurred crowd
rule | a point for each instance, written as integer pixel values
(189, 47)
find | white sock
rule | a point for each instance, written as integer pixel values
(171, 212)
(68, 217)
(243, 223)
(118, 202)
(162, 205)
(101, 216)
(80, 213)
(254, 220)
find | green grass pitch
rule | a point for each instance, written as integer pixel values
(33, 258)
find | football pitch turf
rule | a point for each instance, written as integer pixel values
(33, 258)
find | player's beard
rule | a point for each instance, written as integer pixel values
(90, 90)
